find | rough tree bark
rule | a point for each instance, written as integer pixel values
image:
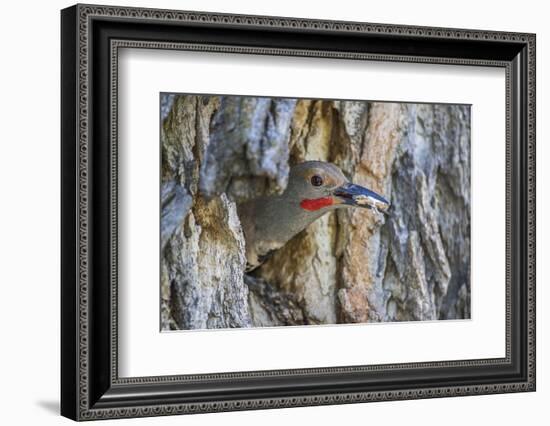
(196, 291)
(349, 266)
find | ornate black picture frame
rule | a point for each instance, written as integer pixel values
(91, 36)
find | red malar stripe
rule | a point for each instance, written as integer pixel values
(316, 203)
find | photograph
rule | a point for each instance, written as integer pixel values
(280, 211)
(273, 208)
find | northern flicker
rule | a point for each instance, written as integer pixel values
(314, 188)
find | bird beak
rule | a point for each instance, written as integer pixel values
(359, 196)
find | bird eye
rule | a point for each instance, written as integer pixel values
(316, 180)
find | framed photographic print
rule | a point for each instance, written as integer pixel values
(263, 212)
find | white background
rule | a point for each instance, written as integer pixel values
(141, 344)
(29, 229)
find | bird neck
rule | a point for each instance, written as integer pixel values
(281, 219)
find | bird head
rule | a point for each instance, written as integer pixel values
(314, 188)
(320, 186)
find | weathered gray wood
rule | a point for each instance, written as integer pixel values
(202, 258)
(247, 154)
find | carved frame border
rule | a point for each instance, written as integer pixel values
(82, 406)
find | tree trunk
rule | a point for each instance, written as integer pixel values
(350, 265)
